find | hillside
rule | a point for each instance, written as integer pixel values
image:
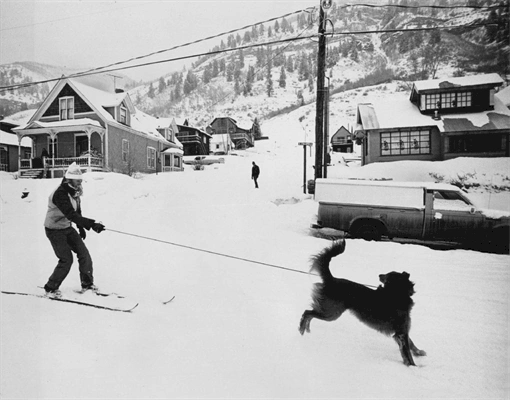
(13, 101)
(261, 81)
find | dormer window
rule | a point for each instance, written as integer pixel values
(66, 106)
(123, 115)
(450, 100)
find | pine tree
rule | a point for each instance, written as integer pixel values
(161, 85)
(269, 80)
(151, 93)
(282, 81)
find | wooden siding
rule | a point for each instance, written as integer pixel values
(80, 106)
(137, 151)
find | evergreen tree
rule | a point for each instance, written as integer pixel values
(290, 64)
(250, 78)
(282, 81)
(269, 32)
(241, 58)
(151, 93)
(215, 69)
(161, 85)
(257, 133)
(276, 26)
(230, 72)
(269, 80)
(237, 87)
(207, 76)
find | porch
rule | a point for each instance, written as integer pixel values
(56, 145)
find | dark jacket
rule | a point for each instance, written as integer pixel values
(255, 171)
(63, 208)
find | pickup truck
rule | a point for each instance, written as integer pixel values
(412, 210)
(203, 160)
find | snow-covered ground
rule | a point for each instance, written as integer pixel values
(232, 329)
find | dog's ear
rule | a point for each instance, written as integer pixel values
(383, 278)
(406, 275)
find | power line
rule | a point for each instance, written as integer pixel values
(193, 42)
(427, 6)
(293, 39)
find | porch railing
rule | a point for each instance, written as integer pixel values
(63, 162)
(172, 169)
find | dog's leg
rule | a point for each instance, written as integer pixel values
(402, 340)
(307, 316)
(415, 350)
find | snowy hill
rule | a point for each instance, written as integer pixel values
(232, 329)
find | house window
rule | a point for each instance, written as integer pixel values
(464, 99)
(125, 150)
(476, 143)
(448, 100)
(432, 101)
(177, 162)
(412, 142)
(151, 157)
(4, 158)
(66, 106)
(123, 115)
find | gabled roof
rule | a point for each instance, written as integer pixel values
(148, 124)
(462, 81)
(398, 112)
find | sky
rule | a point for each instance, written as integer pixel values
(88, 33)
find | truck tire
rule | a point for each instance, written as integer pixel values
(368, 231)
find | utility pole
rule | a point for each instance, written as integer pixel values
(321, 68)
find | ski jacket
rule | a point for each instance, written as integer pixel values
(64, 208)
(255, 171)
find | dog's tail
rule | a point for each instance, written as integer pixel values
(320, 262)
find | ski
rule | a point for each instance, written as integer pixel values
(82, 303)
(102, 294)
(166, 302)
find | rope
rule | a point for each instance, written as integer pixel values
(211, 252)
(219, 254)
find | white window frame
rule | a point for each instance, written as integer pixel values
(50, 146)
(125, 150)
(66, 107)
(151, 157)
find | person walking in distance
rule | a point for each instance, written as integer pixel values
(255, 172)
(64, 208)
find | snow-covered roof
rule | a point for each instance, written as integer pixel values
(398, 111)
(148, 124)
(474, 80)
(12, 140)
(62, 123)
(221, 138)
(504, 96)
(19, 118)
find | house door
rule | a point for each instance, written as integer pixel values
(82, 144)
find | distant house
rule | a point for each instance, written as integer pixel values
(10, 147)
(442, 119)
(341, 141)
(100, 131)
(241, 137)
(195, 141)
(221, 144)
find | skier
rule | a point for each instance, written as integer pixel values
(64, 207)
(255, 172)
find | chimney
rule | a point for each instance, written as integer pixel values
(117, 90)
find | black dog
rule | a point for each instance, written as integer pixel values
(386, 309)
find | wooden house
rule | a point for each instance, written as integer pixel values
(241, 137)
(10, 148)
(221, 144)
(442, 119)
(341, 141)
(195, 142)
(100, 131)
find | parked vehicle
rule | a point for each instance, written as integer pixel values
(424, 211)
(203, 160)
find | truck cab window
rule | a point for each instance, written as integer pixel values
(449, 200)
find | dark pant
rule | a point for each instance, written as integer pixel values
(65, 242)
(255, 177)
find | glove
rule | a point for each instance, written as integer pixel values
(83, 234)
(97, 227)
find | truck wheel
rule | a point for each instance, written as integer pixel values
(367, 231)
